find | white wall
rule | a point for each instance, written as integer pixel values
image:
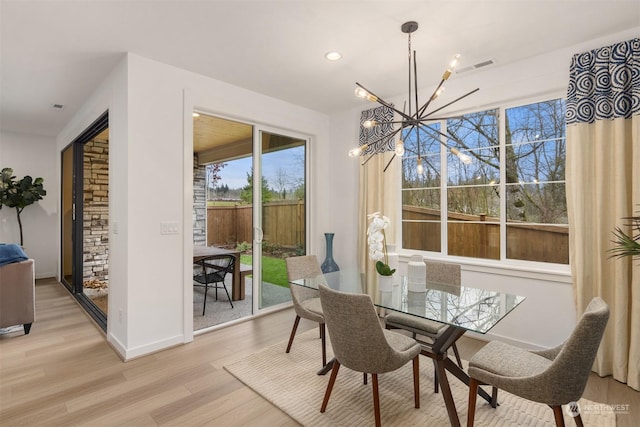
(548, 314)
(150, 176)
(32, 155)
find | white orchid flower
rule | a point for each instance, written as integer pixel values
(376, 241)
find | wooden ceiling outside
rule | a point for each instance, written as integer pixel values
(216, 139)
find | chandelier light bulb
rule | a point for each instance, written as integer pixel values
(399, 148)
(355, 152)
(369, 123)
(452, 65)
(464, 158)
(454, 62)
(420, 168)
(437, 93)
(361, 93)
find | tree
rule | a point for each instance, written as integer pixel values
(246, 194)
(213, 175)
(19, 194)
(534, 164)
(281, 182)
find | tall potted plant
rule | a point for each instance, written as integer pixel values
(627, 244)
(19, 194)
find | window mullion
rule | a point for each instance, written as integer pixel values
(502, 138)
(444, 206)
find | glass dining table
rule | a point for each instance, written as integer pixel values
(462, 308)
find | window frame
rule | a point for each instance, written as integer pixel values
(508, 264)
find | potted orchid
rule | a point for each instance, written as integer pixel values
(376, 240)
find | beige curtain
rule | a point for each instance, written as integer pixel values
(378, 192)
(603, 187)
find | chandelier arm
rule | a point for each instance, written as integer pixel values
(415, 84)
(389, 162)
(385, 103)
(387, 136)
(431, 98)
(390, 135)
(450, 103)
(409, 71)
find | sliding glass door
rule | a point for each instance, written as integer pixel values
(249, 197)
(281, 212)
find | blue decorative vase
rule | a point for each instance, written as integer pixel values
(329, 263)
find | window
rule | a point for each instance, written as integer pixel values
(509, 203)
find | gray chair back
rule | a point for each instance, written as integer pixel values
(357, 337)
(302, 267)
(444, 276)
(573, 363)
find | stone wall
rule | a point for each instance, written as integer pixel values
(199, 203)
(96, 210)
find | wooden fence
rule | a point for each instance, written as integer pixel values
(473, 236)
(283, 224)
(479, 236)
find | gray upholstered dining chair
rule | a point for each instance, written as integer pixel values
(439, 273)
(306, 301)
(555, 377)
(360, 343)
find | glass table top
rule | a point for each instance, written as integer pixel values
(466, 307)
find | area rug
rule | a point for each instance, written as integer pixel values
(289, 381)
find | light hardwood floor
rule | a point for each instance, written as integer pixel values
(64, 373)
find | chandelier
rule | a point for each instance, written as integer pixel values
(412, 122)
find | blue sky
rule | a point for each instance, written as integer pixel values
(234, 174)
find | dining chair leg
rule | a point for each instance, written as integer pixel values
(332, 380)
(376, 399)
(435, 376)
(323, 338)
(293, 334)
(494, 397)
(578, 420)
(473, 393)
(557, 414)
(416, 380)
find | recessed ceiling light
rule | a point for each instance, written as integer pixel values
(333, 56)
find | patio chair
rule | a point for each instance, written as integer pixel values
(211, 272)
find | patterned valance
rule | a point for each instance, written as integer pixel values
(605, 83)
(375, 135)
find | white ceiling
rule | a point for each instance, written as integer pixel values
(59, 51)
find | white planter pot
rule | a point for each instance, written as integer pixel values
(385, 283)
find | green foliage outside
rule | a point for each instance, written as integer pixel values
(274, 270)
(246, 194)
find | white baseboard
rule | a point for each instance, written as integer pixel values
(494, 337)
(127, 354)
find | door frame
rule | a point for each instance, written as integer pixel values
(77, 198)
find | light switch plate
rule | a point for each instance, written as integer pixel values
(169, 227)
